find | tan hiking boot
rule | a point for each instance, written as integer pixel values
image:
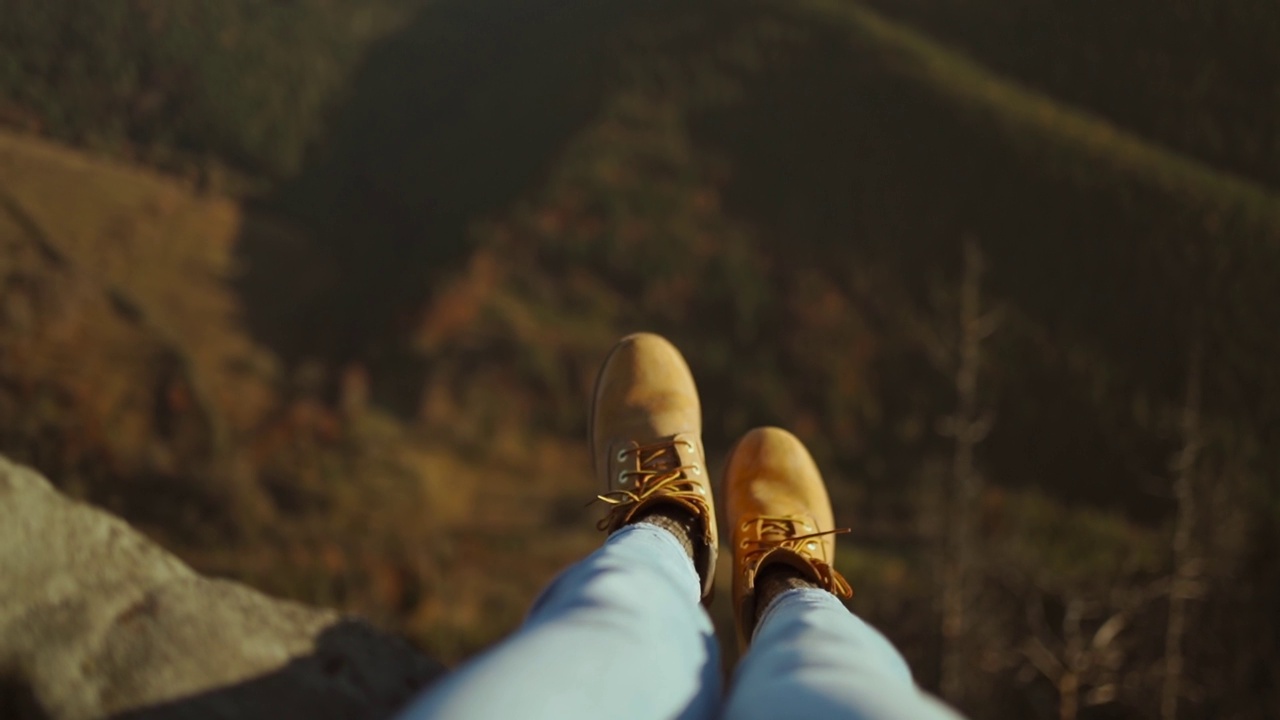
(778, 508)
(646, 440)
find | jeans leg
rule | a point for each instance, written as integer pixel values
(619, 635)
(812, 658)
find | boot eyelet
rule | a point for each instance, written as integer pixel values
(697, 470)
(622, 456)
(811, 545)
(622, 477)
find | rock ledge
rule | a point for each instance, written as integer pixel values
(97, 621)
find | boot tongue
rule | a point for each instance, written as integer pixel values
(658, 461)
(662, 458)
(775, 530)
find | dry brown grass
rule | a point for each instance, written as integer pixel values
(126, 375)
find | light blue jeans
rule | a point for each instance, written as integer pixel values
(622, 636)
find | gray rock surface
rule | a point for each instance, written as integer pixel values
(97, 621)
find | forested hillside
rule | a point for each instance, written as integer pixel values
(1008, 271)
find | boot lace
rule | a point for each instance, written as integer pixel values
(660, 474)
(767, 534)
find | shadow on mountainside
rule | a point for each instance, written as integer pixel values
(865, 145)
(881, 172)
(445, 123)
(17, 702)
(851, 145)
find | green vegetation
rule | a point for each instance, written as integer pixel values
(242, 84)
(1199, 77)
(1063, 135)
(1074, 546)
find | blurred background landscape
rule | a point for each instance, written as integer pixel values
(313, 293)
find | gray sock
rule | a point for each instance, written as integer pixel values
(772, 582)
(681, 523)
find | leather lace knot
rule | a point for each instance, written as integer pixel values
(767, 534)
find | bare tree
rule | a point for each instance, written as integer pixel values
(967, 427)
(1186, 564)
(953, 335)
(1084, 658)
